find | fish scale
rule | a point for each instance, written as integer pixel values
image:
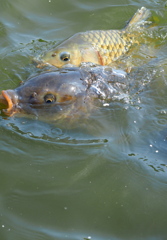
(108, 43)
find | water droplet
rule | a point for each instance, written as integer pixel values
(106, 104)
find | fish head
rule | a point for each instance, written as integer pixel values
(74, 51)
(47, 94)
(66, 53)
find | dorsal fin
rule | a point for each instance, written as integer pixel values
(139, 18)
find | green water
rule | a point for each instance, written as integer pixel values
(107, 183)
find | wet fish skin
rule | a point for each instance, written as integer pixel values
(44, 93)
(99, 46)
(65, 93)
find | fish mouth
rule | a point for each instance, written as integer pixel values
(3, 101)
(40, 63)
(9, 98)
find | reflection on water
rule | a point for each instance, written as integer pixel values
(103, 179)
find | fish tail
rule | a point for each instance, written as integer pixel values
(139, 18)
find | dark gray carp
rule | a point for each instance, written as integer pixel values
(64, 93)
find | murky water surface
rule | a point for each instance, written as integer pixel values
(106, 179)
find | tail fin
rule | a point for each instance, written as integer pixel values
(139, 18)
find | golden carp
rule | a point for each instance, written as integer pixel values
(99, 46)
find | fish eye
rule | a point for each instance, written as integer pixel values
(49, 98)
(65, 56)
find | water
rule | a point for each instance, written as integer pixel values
(108, 182)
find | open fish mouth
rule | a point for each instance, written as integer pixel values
(3, 100)
(9, 98)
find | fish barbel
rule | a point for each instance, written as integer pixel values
(98, 46)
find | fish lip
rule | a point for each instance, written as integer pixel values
(40, 63)
(11, 99)
(3, 100)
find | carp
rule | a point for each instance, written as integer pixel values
(101, 47)
(64, 93)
